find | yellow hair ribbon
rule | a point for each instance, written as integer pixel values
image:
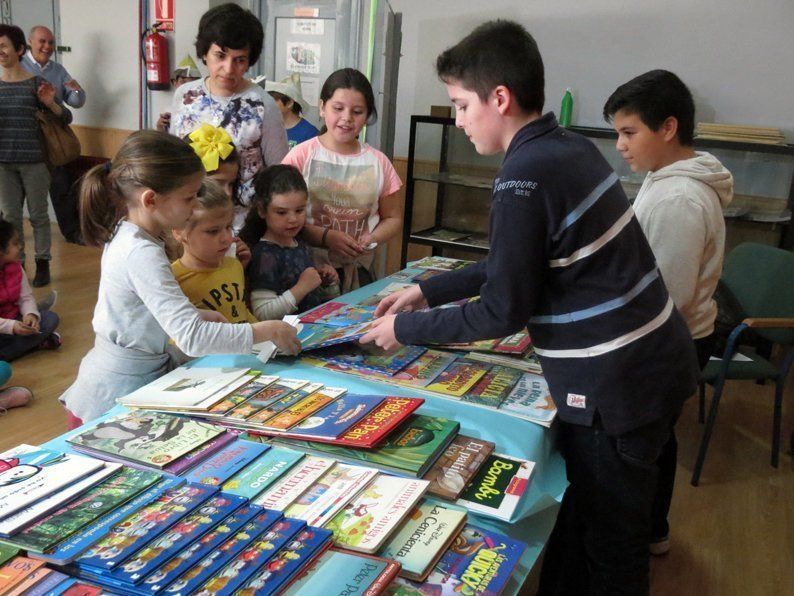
(211, 144)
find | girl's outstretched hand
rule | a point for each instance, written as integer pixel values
(280, 333)
(344, 244)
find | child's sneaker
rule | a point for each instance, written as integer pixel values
(14, 397)
(660, 546)
(53, 342)
(48, 302)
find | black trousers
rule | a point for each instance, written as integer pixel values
(63, 194)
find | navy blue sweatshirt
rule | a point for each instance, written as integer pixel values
(569, 260)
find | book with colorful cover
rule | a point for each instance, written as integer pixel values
(494, 387)
(185, 559)
(272, 393)
(143, 526)
(244, 393)
(518, 343)
(527, 362)
(149, 438)
(63, 585)
(199, 454)
(29, 474)
(531, 398)
(347, 315)
(367, 521)
(427, 274)
(457, 466)
(287, 562)
(424, 537)
(338, 572)
(263, 415)
(410, 450)
(393, 287)
(338, 417)
(85, 509)
(370, 357)
(293, 484)
(177, 538)
(7, 552)
(185, 387)
(375, 426)
(478, 561)
(498, 487)
(323, 499)
(224, 464)
(15, 571)
(196, 575)
(39, 581)
(458, 378)
(441, 263)
(322, 311)
(262, 472)
(305, 408)
(314, 336)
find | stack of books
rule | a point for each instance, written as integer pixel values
(740, 133)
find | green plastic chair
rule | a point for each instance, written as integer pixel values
(761, 277)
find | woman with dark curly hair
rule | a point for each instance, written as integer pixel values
(229, 41)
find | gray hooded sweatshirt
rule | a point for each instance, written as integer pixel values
(680, 210)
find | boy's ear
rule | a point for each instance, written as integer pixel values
(502, 99)
(669, 129)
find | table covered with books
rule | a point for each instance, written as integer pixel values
(217, 513)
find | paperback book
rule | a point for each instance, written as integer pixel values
(457, 466)
(148, 438)
(336, 418)
(427, 274)
(224, 464)
(441, 263)
(262, 472)
(305, 408)
(15, 571)
(458, 378)
(199, 454)
(527, 362)
(321, 312)
(494, 387)
(367, 521)
(371, 358)
(186, 387)
(497, 489)
(531, 399)
(244, 393)
(293, 484)
(391, 288)
(314, 336)
(346, 315)
(262, 399)
(336, 572)
(262, 416)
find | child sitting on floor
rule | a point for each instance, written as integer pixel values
(22, 327)
(281, 275)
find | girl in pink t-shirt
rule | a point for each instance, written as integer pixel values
(353, 205)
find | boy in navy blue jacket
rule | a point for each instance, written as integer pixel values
(569, 260)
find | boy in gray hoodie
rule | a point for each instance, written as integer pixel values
(679, 208)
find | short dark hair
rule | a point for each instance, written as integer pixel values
(7, 231)
(284, 100)
(497, 53)
(275, 180)
(16, 35)
(230, 26)
(654, 97)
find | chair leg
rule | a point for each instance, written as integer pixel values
(701, 402)
(704, 442)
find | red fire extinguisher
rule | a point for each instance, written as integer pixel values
(155, 56)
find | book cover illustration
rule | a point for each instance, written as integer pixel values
(372, 301)
(323, 499)
(91, 505)
(242, 394)
(339, 572)
(143, 526)
(148, 438)
(324, 310)
(518, 343)
(193, 554)
(224, 464)
(261, 473)
(347, 315)
(280, 405)
(7, 552)
(294, 483)
(366, 522)
(376, 425)
(498, 487)
(336, 418)
(32, 475)
(209, 565)
(426, 274)
(177, 537)
(531, 397)
(304, 408)
(288, 561)
(494, 387)
(272, 393)
(528, 361)
(15, 571)
(71, 587)
(370, 357)
(457, 466)
(185, 387)
(39, 581)
(424, 537)
(314, 336)
(199, 454)
(411, 449)
(251, 558)
(441, 263)
(458, 378)
(425, 369)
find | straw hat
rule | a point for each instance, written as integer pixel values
(289, 86)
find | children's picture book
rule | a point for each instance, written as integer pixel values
(441, 263)
(518, 343)
(29, 474)
(314, 336)
(186, 387)
(322, 311)
(494, 387)
(262, 472)
(458, 378)
(375, 426)
(293, 484)
(367, 521)
(337, 417)
(224, 464)
(15, 571)
(85, 509)
(456, 467)
(498, 487)
(246, 392)
(323, 499)
(425, 369)
(262, 399)
(478, 561)
(337, 572)
(40, 581)
(424, 537)
(347, 315)
(528, 361)
(374, 300)
(263, 415)
(279, 570)
(199, 454)
(305, 408)
(531, 398)
(148, 438)
(7, 552)
(370, 357)
(426, 274)
(411, 450)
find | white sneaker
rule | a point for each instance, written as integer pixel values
(48, 302)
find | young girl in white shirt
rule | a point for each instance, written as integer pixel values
(128, 205)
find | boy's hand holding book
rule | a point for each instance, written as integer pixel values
(403, 301)
(284, 335)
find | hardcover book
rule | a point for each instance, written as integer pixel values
(518, 343)
(388, 290)
(314, 336)
(426, 274)
(15, 571)
(262, 472)
(531, 398)
(457, 466)
(498, 487)
(322, 311)
(347, 315)
(186, 387)
(366, 522)
(265, 414)
(336, 572)
(305, 408)
(293, 484)
(528, 362)
(7, 552)
(424, 537)
(246, 392)
(494, 387)
(148, 438)
(425, 369)
(375, 426)
(39, 581)
(224, 464)
(338, 417)
(458, 378)
(371, 358)
(199, 454)
(272, 393)
(441, 263)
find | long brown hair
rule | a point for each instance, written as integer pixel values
(147, 159)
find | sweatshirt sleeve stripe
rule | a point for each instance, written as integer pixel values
(597, 244)
(588, 202)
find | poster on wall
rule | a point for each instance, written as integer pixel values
(164, 14)
(307, 26)
(303, 58)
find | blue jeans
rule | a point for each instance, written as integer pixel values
(599, 544)
(14, 346)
